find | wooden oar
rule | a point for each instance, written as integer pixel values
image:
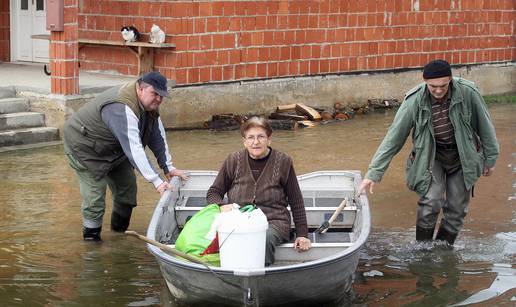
(326, 225)
(165, 247)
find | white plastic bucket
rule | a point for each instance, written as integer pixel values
(242, 242)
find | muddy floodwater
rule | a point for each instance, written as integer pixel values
(44, 262)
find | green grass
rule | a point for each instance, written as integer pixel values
(505, 98)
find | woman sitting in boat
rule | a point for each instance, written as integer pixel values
(265, 177)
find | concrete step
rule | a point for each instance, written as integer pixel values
(21, 120)
(12, 105)
(28, 136)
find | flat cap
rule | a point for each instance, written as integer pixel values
(158, 82)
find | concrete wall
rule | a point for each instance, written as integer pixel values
(191, 106)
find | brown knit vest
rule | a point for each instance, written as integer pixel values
(267, 191)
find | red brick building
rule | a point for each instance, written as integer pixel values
(224, 41)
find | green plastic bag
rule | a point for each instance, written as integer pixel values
(192, 240)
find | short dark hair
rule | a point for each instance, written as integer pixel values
(256, 122)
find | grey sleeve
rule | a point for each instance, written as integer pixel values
(123, 123)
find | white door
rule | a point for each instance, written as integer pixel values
(31, 19)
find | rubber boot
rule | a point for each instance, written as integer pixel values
(445, 235)
(424, 234)
(120, 223)
(91, 234)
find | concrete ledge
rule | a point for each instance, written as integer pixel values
(30, 146)
(190, 106)
(28, 136)
(7, 91)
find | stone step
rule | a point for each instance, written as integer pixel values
(21, 120)
(28, 136)
(12, 105)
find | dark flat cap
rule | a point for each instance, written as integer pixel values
(437, 69)
(158, 82)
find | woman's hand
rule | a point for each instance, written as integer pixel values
(302, 244)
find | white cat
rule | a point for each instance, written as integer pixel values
(157, 36)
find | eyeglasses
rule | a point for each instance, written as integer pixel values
(251, 138)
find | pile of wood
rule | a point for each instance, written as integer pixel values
(225, 122)
(383, 103)
(292, 116)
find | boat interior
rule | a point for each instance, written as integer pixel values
(323, 192)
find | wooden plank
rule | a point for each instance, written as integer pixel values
(124, 43)
(286, 108)
(283, 124)
(287, 116)
(110, 42)
(310, 112)
(306, 123)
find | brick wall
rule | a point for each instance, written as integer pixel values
(237, 40)
(4, 31)
(63, 53)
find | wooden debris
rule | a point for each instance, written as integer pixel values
(341, 116)
(308, 111)
(306, 123)
(286, 108)
(283, 124)
(383, 103)
(326, 115)
(287, 116)
(224, 122)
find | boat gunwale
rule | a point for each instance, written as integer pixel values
(337, 257)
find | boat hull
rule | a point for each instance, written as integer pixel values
(311, 283)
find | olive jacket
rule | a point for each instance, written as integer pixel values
(474, 134)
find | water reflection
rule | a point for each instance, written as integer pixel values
(44, 262)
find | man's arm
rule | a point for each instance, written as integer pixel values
(158, 145)
(485, 129)
(123, 123)
(392, 142)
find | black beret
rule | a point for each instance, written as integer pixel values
(437, 69)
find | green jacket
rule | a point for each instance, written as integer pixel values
(474, 134)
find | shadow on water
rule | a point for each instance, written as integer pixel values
(44, 262)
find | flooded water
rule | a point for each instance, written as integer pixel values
(44, 262)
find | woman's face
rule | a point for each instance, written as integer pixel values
(256, 142)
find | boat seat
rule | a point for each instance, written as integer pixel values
(318, 210)
(323, 245)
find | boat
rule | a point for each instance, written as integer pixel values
(324, 274)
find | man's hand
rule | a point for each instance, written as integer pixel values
(366, 183)
(163, 187)
(302, 244)
(177, 172)
(488, 171)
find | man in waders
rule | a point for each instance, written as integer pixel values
(454, 143)
(105, 139)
